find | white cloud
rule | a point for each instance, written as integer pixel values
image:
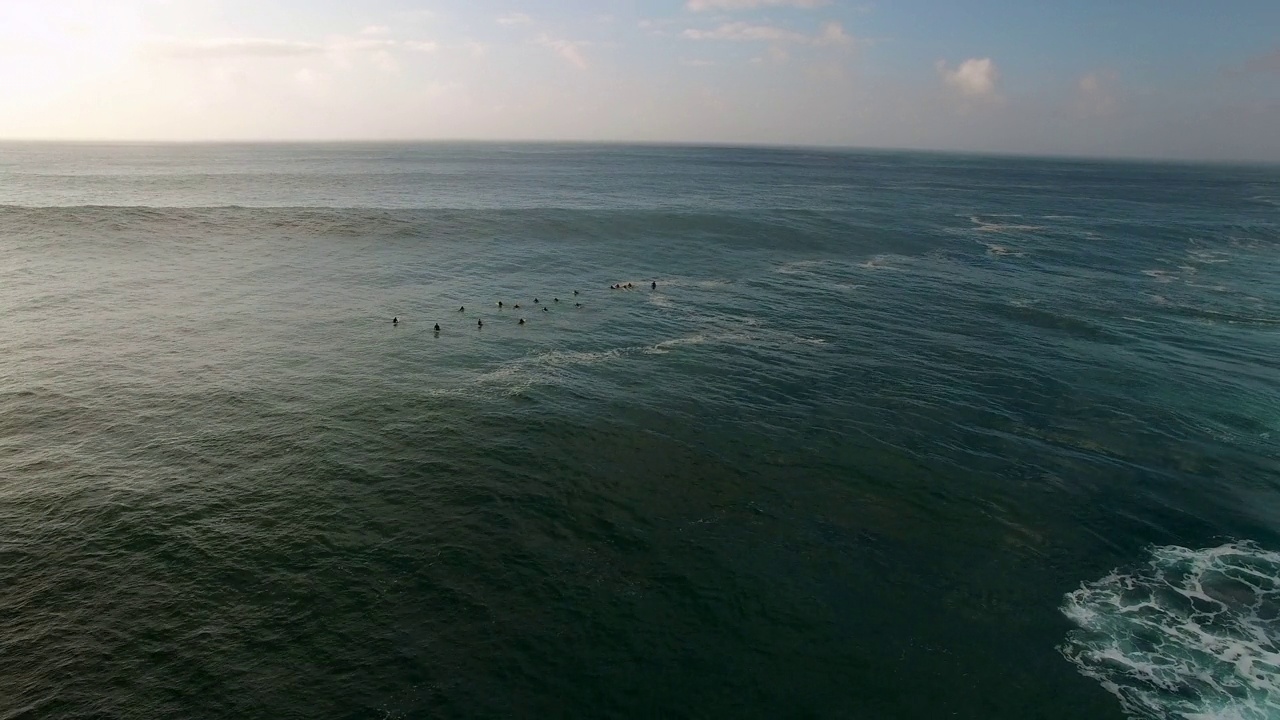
(475, 49)
(385, 62)
(417, 15)
(702, 5)
(376, 30)
(1095, 95)
(220, 48)
(741, 31)
(832, 33)
(235, 47)
(362, 45)
(570, 50)
(974, 78)
(515, 19)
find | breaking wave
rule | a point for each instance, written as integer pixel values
(1190, 634)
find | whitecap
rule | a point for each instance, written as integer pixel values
(1189, 634)
(878, 262)
(666, 345)
(561, 358)
(1002, 251)
(985, 226)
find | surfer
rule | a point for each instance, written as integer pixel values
(556, 299)
(575, 292)
(479, 323)
(437, 327)
(395, 320)
(499, 304)
(521, 321)
(461, 309)
(535, 301)
(653, 285)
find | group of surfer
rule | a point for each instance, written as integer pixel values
(395, 321)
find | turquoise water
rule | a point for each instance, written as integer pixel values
(896, 435)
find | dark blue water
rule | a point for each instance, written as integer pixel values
(896, 435)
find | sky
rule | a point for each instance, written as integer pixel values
(1140, 78)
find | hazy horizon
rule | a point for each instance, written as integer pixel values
(1157, 81)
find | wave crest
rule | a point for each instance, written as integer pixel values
(1190, 634)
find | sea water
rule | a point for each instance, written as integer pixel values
(895, 435)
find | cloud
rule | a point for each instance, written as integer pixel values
(376, 30)
(420, 15)
(515, 19)
(235, 47)
(832, 33)
(362, 45)
(974, 78)
(703, 5)
(221, 48)
(474, 48)
(1095, 96)
(570, 50)
(1264, 63)
(741, 31)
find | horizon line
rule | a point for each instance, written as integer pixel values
(691, 144)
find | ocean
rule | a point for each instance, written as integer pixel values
(895, 435)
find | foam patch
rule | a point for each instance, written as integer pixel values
(1191, 634)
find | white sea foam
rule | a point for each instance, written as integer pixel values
(1208, 257)
(563, 358)
(666, 345)
(699, 283)
(1001, 251)
(986, 226)
(879, 262)
(1189, 634)
(798, 267)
